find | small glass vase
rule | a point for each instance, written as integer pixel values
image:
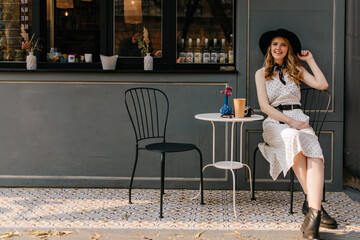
(148, 62)
(31, 61)
(226, 109)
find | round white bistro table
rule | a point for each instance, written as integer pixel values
(229, 165)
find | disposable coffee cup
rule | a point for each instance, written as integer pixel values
(88, 57)
(239, 105)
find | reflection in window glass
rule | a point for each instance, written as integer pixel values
(13, 14)
(205, 31)
(73, 28)
(131, 16)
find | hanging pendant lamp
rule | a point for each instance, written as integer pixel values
(64, 4)
(132, 11)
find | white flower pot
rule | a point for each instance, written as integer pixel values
(108, 62)
(31, 61)
(148, 62)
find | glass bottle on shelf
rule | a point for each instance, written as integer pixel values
(19, 55)
(222, 54)
(182, 53)
(206, 52)
(231, 51)
(189, 52)
(6, 55)
(214, 53)
(198, 53)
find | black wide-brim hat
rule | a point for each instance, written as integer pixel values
(267, 37)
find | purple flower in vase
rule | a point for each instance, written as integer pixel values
(226, 109)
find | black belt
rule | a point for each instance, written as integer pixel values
(287, 107)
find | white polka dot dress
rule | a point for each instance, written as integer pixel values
(283, 143)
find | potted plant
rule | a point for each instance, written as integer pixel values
(30, 46)
(226, 109)
(144, 44)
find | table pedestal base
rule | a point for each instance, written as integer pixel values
(228, 165)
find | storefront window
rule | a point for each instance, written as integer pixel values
(131, 16)
(13, 15)
(73, 28)
(195, 33)
(205, 31)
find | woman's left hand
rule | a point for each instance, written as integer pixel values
(305, 55)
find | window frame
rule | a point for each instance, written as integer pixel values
(107, 30)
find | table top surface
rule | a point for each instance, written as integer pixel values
(216, 117)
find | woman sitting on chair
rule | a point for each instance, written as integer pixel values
(289, 139)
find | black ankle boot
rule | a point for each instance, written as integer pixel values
(311, 224)
(326, 220)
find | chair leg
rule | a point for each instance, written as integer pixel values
(201, 179)
(324, 200)
(133, 173)
(162, 183)
(250, 181)
(291, 190)
(253, 174)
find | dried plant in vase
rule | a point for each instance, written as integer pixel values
(29, 45)
(143, 41)
(144, 45)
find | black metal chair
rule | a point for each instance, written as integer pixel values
(148, 109)
(315, 103)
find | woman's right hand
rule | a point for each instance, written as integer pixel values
(298, 124)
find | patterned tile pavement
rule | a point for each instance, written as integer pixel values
(109, 209)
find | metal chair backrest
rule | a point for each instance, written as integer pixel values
(148, 109)
(315, 103)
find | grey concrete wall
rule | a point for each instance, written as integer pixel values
(319, 25)
(77, 132)
(352, 86)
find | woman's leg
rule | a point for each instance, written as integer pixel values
(300, 170)
(315, 182)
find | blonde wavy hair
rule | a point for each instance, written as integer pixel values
(291, 64)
